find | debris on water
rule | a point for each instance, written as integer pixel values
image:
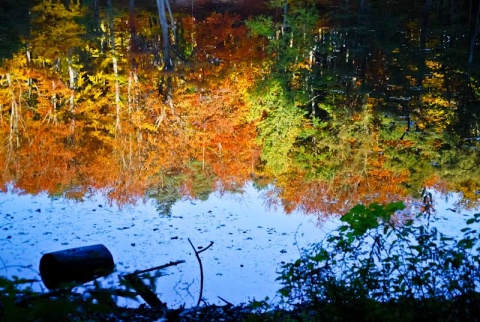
(160, 236)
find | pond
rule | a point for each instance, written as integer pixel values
(252, 127)
(250, 242)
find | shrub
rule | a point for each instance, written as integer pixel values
(377, 267)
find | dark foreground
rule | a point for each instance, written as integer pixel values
(465, 308)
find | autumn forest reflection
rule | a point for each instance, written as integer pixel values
(326, 103)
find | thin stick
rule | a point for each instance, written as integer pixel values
(157, 268)
(201, 267)
(224, 300)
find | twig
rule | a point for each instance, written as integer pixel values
(201, 267)
(224, 300)
(296, 240)
(158, 267)
(408, 122)
(143, 290)
(4, 265)
(402, 100)
(187, 288)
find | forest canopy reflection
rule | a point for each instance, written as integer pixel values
(331, 103)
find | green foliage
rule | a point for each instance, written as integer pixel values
(261, 26)
(360, 219)
(167, 193)
(277, 3)
(378, 266)
(279, 124)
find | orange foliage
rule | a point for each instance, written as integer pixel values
(198, 130)
(346, 189)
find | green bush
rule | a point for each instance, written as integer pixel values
(378, 266)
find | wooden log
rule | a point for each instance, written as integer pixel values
(75, 266)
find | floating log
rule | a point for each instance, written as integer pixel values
(72, 267)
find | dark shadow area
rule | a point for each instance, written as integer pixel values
(203, 8)
(14, 24)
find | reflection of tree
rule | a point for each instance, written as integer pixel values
(125, 133)
(162, 6)
(279, 129)
(336, 108)
(381, 113)
(167, 192)
(458, 167)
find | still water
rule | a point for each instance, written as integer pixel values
(250, 240)
(218, 117)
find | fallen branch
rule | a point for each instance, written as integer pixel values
(158, 267)
(224, 300)
(201, 267)
(143, 290)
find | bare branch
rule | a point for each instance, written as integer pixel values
(158, 267)
(201, 267)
